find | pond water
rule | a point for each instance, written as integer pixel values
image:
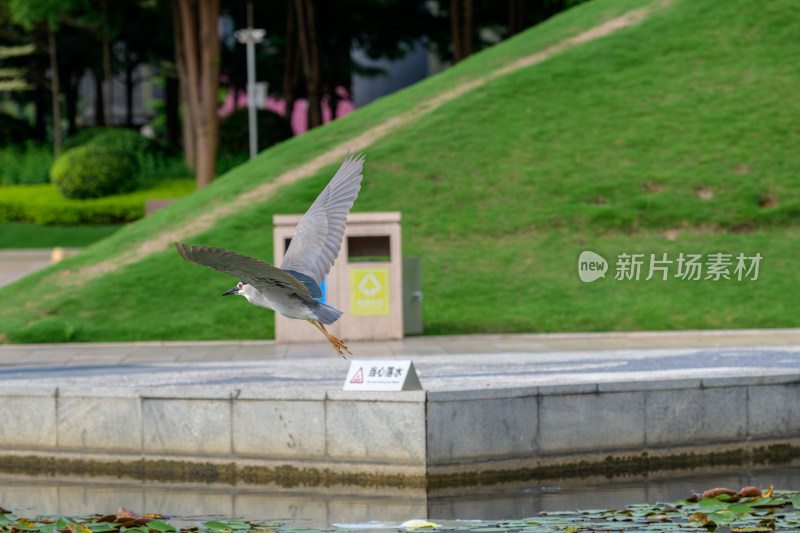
(323, 506)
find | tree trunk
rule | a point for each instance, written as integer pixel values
(455, 29)
(333, 103)
(516, 16)
(71, 96)
(99, 107)
(54, 91)
(466, 39)
(172, 99)
(309, 50)
(208, 121)
(40, 105)
(109, 88)
(291, 71)
(128, 87)
(188, 131)
(200, 55)
(461, 26)
(187, 128)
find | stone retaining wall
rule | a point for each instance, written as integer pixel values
(416, 435)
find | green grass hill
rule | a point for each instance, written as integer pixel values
(621, 126)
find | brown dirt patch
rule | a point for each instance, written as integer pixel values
(704, 192)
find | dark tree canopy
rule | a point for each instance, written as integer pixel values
(307, 52)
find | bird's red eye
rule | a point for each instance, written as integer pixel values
(240, 284)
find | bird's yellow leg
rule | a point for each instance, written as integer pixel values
(335, 342)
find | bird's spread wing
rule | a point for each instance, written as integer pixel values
(318, 237)
(263, 276)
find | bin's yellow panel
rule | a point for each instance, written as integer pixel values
(369, 291)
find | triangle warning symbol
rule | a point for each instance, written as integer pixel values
(359, 376)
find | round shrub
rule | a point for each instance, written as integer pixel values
(156, 160)
(94, 171)
(80, 137)
(121, 138)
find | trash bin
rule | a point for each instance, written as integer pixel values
(366, 281)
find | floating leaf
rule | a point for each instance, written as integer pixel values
(740, 508)
(795, 500)
(723, 516)
(160, 525)
(135, 529)
(768, 513)
(711, 504)
(217, 526)
(760, 502)
(101, 526)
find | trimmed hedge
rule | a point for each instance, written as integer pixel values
(43, 204)
(94, 171)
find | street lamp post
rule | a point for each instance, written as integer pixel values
(249, 38)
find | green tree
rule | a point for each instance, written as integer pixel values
(197, 57)
(47, 15)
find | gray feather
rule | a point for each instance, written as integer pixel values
(327, 314)
(318, 237)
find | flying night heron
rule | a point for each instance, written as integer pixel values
(291, 289)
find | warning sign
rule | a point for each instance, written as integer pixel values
(381, 375)
(369, 291)
(359, 376)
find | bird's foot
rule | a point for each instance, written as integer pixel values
(335, 341)
(339, 345)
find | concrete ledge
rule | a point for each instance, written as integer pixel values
(486, 414)
(97, 423)
(291, 429)
(413, 434)
(28, 419)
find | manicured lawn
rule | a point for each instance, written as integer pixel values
(22, 235)
(675, 135)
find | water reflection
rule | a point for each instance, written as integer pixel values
(323, 506)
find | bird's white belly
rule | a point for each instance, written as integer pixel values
(290, 306)
(283, 303)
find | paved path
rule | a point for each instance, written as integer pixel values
(15, 264)
(443, 362)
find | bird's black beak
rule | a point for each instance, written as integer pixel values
(231, 291)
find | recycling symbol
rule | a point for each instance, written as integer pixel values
(369, 285)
